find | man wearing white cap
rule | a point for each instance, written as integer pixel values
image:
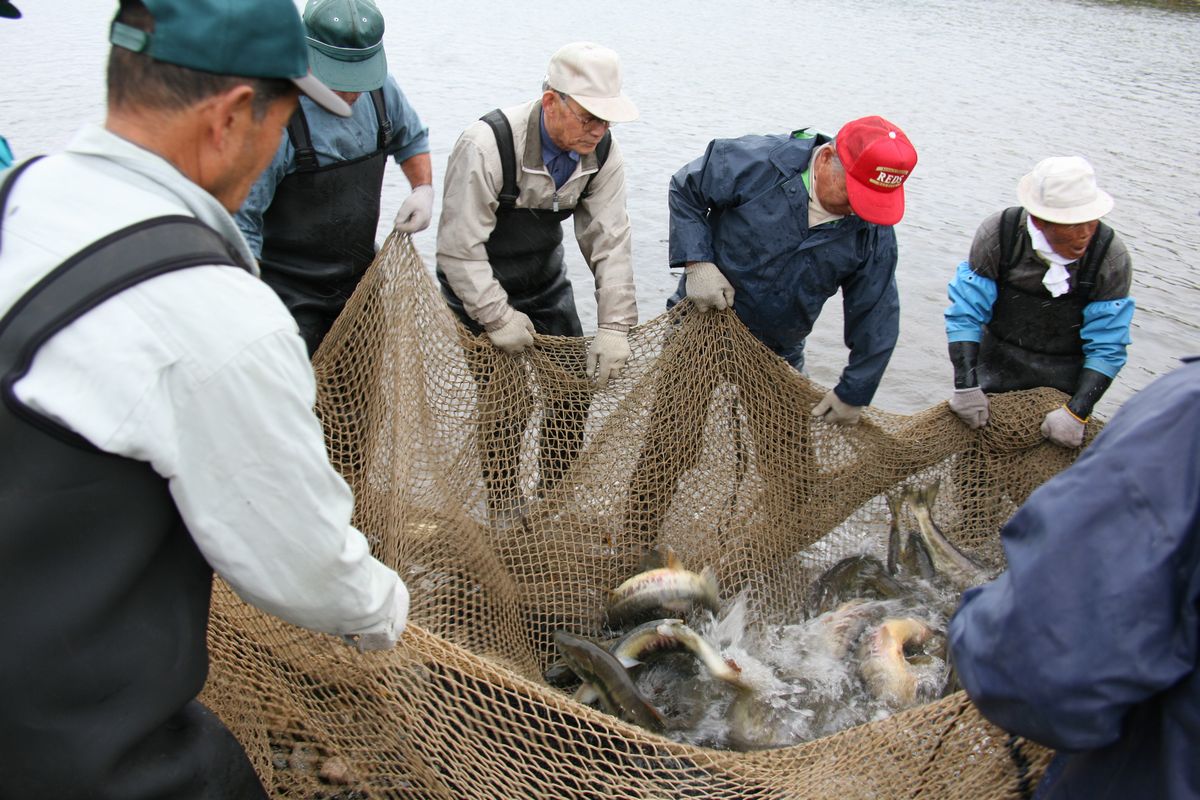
(1042, 301)
(312, 216)
(511, 180)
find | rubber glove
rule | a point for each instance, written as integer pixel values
(1063, 428)
(416, 211)
(833, 409)
(971, 406)
(607, 355)
(707, 288)
(513, 336)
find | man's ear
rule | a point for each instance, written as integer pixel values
(230, 113)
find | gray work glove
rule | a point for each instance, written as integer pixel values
(971, 406)
(416, 211)
(1063, 428)
(833, 409)
(513, 336)
(707, 288)
(606, 355)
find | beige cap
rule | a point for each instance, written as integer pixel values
(1063, 189)
(591, 75)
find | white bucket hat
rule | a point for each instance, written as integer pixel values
(1063, 189)
(591, 75)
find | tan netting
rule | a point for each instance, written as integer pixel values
(704, 444)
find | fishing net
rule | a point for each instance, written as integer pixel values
(511, 497)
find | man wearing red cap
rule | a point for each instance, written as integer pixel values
(773, 226)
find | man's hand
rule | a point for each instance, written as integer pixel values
(515, 335)
(416, 211)
(707, 288)
(971, 406)
(607, 355)
(833, 409)
(1063, 428)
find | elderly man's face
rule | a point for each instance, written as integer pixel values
(259, 141)
(1069, 241)
(831, 184)
(570, 126)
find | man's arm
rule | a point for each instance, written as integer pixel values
(606, 242)
(871, 318)
(1093, 615)
(695, 190)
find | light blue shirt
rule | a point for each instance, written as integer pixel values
(335, 139)
(6, 154)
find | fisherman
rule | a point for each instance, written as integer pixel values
(7, 11)
(772, 226)
(161, 403)
(512, 178)
(312, 216)
(1043, 300)
(1088, 642)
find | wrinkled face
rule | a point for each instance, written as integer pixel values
(570, 126)
(1069, 241)
(831, 184)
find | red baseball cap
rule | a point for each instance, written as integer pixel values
(878, 158)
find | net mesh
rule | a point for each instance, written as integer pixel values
(511, 496)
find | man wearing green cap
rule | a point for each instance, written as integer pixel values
(311, 217)
(161, 403)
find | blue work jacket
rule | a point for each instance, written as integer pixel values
(743, 205)
(1087, 643)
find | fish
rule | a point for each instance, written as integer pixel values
(882, 665)
(948, 560)
(841, 627)
(860, 576)
(756, 724)
(669, 590)
(612, 683)
(907, 553)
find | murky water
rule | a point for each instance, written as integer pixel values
(983, 89)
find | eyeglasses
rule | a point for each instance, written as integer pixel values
(589, 122)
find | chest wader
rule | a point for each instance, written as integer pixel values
(526, 256)
(103, 593)
(319, 231)
(1034, 339)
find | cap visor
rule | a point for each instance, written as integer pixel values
(349, 76)
(322, 95)
(879, 208)
(9, 11)
(609, 109)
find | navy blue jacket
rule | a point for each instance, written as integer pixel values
(743, 205)
(1088, 642)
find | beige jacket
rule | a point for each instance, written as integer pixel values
(470, 200)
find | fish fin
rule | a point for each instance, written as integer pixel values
(709, 576)
(586, 694)
(670, 558)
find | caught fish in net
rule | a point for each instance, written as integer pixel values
(513, 498)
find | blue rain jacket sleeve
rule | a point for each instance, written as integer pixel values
(871, 319)
(971, 299)
(1105, 334)
(1097, 611)
(703, 184)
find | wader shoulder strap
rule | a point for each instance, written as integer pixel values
(508, 156)
(96, 273)
(385, 124)
(1010, 236)
(297, 128)
(602, 149)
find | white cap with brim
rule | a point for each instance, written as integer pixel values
(591, 75)
(1063, 189)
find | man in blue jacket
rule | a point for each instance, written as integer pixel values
(1088, 643)
(1042, 301)
(773, 226)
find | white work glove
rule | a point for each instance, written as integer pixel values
(833, 409)
(416, 211)
(606, 355)
(971, 406)
(707, 287)
(513, 336)
(1063, 428)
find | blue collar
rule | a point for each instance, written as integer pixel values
(550, 150)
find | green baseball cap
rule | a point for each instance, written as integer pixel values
(9, 11)
(345, 44)
(247, 38)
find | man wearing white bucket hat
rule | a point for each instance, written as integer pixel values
(512, 178)
(1043, 300)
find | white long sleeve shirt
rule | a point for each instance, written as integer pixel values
(201, 373)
